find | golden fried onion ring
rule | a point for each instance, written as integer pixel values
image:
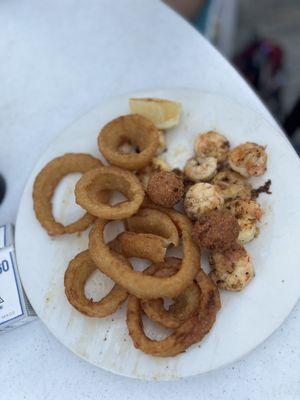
(109, 178)
(143, 245)
(137, 283)
(153, 221)
(185, 305)
(76, 275)
(191, 331)
(45, 184)
(82, 266)
(133, 129)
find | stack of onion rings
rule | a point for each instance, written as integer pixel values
(144, 286)
(149, 231)
(80, 269)
(191, 331)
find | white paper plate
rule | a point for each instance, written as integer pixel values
(246, 318)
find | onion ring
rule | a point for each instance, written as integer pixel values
(109, 178)
(44, 187)
(153, 221)
(143, 245)
(137, 283)
(186, 304)
(191, 331)
(134, 129)
(80, 269)
(76, 275)
(82, 266)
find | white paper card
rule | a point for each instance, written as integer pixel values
(2, 236)
(6, 235)
(11, 302)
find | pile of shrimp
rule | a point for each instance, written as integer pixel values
(217, 177)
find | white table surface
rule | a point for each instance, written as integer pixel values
(58, 59)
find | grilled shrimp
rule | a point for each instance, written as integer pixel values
(212, 144)
(201, 198)
(248, 159)
(232, 269)
(232, 185)
(200, 168)
(248, 213)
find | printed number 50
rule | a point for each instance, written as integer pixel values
(4, 266)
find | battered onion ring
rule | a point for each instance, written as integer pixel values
(134, 129)
(186, 304)
(76, 275)
(143, 245)
(153, 221)
(109, 178)
(82, 266)
(191, 331)
(44, 187)
(137, 283)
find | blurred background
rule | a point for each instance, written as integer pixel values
(261, 39)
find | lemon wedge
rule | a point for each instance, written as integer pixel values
(165, 114)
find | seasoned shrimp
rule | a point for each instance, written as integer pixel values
(212, 144)
(200, 198)
(161, 143)
(232, 185)
(157, 165)
(232, 269)
(248, 213)
(200, 168)
(248, 159)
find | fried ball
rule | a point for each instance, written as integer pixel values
(157, 164)
(216, 230)
(165, 188)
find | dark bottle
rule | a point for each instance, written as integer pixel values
(2, 188)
